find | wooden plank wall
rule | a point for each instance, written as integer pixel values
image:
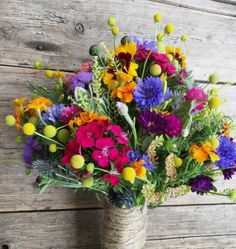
(59, 33)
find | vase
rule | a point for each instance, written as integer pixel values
(124, 228)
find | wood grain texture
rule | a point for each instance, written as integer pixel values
(81, 229)
(60, 34)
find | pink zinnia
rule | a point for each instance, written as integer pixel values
(196, 94)
(113, 179)
(105, 152)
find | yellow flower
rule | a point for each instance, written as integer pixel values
(125, 93)
(58, 74)
(129, 174)
(177, 54)
(226, 129)
(86, 117)
(202, 153)
(140, 170)
(40, 103)
(126, 71)
(18, 103)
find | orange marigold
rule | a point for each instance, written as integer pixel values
(40, 103)
(19, 110)
(202, 153)
(140, 170)
(86, 117)
(125, 93)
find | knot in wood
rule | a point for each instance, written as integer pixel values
(79, 28)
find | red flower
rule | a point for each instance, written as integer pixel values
(113, 179)
(106, 152)
(87, 134)
(120, 135)
(71, 149)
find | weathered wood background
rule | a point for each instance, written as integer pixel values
(59, 33)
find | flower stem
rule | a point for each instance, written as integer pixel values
(145, 64)
(40, 116)
(47, 138)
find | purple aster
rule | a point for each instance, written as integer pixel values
(201, 184)
(53, 113)
(158, 124)
(81, 79)
(149, 93)
(69, 112)
(135, 155)
(228, 173)
(173, 125)
(227, 153)
(152, 122)
(30, 147)
(150, 45)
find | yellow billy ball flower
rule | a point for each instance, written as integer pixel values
(38, 64)
(87, 182)
(215, 142)
(157, 17)
(50, 131)
(213, 78)
(214, 102)
(28, 129)
(115, 30)
(77, 161)
(63, 135)
(170, 57)
(49, 74)
(10, 120)
(214, 91)
(90, 168)
(160, 37)
(111, 21)
(155, 70)
(129, 174)
(169, 29)
(52, 148)
(184, 38)
(178, 162)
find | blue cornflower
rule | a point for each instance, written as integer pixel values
(227, 153)
(149, 45)
(135, 155)
(81, 79)
(53, 113)
(149, 93)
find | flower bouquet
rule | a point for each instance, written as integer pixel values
(131, 125)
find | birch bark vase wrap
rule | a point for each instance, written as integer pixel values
(124, 228)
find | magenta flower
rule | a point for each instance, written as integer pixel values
(196, 94)
(121, 136)
(173, 125)
(105, 152)
(69, 112)
(87, 134)
(113, 179)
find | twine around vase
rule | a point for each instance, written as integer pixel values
(124, 228)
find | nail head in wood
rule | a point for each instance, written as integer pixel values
(40, 47)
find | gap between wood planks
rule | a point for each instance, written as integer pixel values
(196, 8)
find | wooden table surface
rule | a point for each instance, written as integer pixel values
(59, 33)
